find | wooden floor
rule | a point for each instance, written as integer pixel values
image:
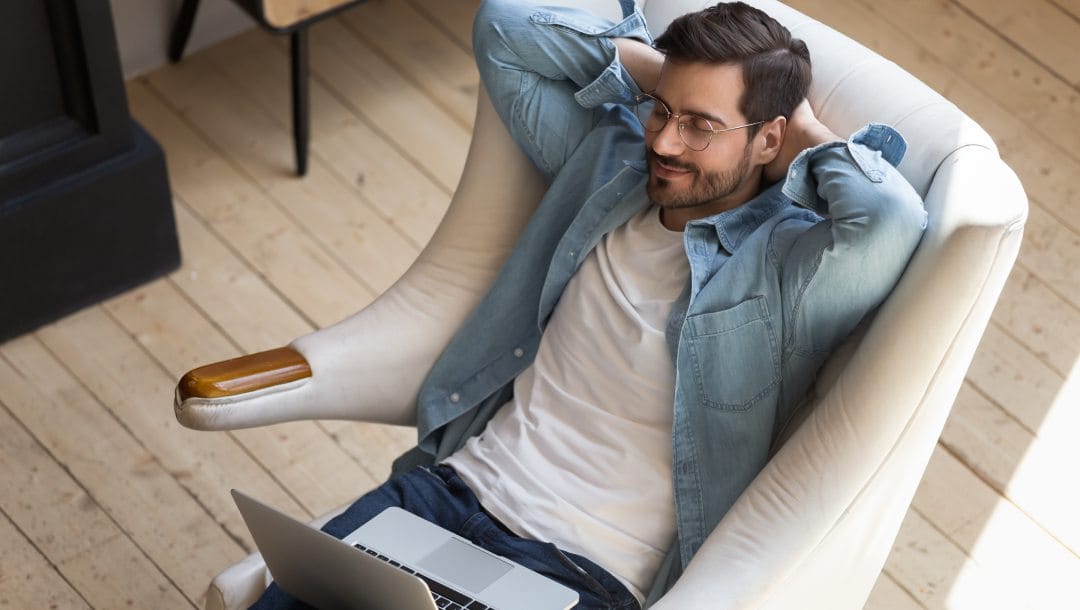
(106, 502)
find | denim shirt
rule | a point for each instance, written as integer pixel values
(775, 283)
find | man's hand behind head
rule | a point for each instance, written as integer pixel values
(803, 131)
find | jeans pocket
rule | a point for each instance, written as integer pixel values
(599, 589)
(445, 478)
(547, 560)
(581, 577)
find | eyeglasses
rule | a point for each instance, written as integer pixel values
(696, 132)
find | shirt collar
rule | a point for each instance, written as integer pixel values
(735, 225)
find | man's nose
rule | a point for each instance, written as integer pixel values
(668, 141)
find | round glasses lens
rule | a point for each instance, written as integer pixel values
(696, 132)
(651, 113)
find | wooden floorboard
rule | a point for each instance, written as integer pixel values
(430, 59)
(347, 144)
(1039, 29)
(107, 502)
(390, 103)
(27, 579)
(66, 543)
(146, 501)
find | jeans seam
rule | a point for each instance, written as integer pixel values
(428, 470)
(490, 532)
(477, 531)
(589, 580)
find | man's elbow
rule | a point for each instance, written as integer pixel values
(491, 23)
(911, 218)
(899, 218)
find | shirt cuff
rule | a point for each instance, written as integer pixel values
(800, 185)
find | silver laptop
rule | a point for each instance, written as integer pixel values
(396, 561)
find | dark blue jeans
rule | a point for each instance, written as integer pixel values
(437, 494)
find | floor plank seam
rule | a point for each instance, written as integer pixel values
(1016, 46)
(261, 188)
(89, 494)
(316, 155)
(1002, 497)
(29, 540)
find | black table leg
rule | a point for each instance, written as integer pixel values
(301, 109)
(182, 29)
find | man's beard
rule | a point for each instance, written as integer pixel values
(704, 189)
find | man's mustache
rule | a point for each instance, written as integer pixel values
(652, 155)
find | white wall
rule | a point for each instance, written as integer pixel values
(143, 28)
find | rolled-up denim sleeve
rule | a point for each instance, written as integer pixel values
(843, 267)
(548, 71)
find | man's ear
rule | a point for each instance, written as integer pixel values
(769, 140)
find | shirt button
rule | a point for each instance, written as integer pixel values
(455, 397)
(571, 255)
(518, 352)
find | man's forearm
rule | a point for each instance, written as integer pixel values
(802, 130)
(546, 74)
(641, 60)
(808, 131)
(523, 38)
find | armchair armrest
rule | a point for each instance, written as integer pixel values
(370, 366)
(244, 374)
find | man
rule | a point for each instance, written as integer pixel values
(703, 244)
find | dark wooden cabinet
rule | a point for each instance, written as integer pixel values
(85, 208)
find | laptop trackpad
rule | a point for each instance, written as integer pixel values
(468, 567)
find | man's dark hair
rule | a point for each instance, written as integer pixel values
(775, 66)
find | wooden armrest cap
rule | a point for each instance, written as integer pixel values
(244, 374)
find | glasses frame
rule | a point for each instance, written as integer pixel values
(642, 98)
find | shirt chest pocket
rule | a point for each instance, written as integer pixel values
(734, 355)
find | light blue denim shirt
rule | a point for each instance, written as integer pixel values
(775, 283)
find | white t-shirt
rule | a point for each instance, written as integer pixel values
(581, 457)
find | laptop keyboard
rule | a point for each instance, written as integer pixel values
(445, 597)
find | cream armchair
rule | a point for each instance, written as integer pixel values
(815, 527)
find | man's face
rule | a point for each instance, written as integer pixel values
(691, 184)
